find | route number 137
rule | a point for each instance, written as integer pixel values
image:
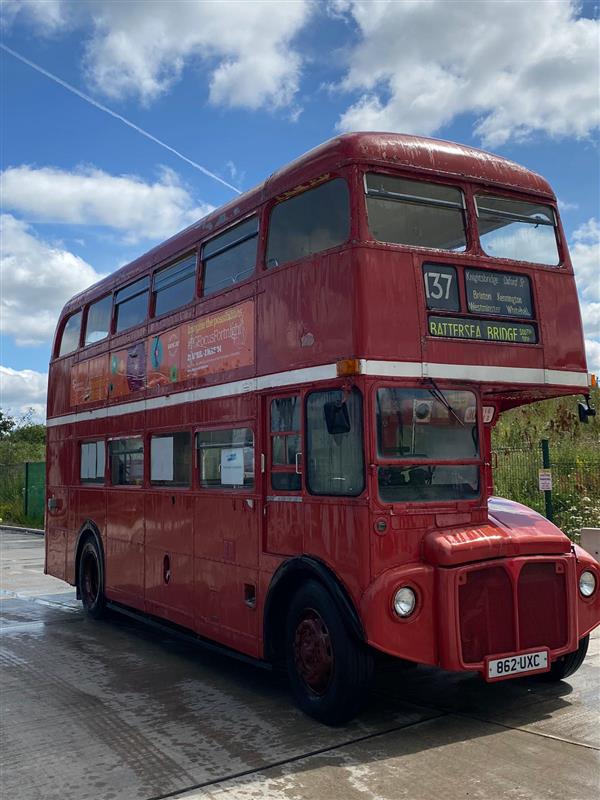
(438, 285)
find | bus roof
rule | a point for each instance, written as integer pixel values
(421, 154)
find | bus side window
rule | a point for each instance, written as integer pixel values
(174, 286)
(171, 459)
(334, 460)
(226, 458)
(309, 223)
(126, 461)
(230, 257)
(131, 305)
(69, 341)
(285, 444)
(97, 326)
(92, 462)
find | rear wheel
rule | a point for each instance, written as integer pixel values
(91, 580)
(329, 669)
(568, 664)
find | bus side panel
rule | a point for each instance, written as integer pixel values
(58, 476)
(226, 544)
(306, 313)
(559, 314)
(221, 611)
(339, 535)
(226, 528)
(169, 563)
(389, 319)
(125, 546)
(88, 504)
(59, 386)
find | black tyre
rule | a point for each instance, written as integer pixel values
(568, 664)
(90, 580)
(329, 669)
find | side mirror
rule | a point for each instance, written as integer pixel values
(585, 412)
(337, 418)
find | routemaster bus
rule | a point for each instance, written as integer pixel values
(273, 431)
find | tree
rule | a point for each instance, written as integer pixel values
(7, 424)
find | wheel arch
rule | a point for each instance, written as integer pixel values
(287, 579)
(89, 530)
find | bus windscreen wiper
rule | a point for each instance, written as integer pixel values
(437, 393)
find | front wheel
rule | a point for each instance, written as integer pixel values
(90, 581)
(568, 664)
(329, 670)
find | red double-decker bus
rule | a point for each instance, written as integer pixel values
(274, 429)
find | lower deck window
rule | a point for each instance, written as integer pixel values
(226, 458)
(92, 462)
(171, 459)
(126, 461)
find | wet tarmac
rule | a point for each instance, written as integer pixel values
(113, 710)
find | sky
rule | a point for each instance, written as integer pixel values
(125, 121)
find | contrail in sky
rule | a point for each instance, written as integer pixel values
(114, 114)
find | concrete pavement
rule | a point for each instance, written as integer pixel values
(114, 710)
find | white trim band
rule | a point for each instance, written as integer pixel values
(384, 369)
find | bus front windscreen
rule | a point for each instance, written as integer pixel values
(416, 427)
(518, 230)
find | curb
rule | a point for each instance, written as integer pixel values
(17, 529)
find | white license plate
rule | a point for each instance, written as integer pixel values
(520, 664)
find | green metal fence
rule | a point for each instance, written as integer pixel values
(574, 501)
(22, 493)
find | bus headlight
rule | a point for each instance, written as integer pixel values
(405, 601)
(587, 583)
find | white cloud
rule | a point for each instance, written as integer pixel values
(585, 254)
(23, 389)
(89, 196)
(36, 280)
(520, 67)
(248, 46)
(47, 16)
(592, 349)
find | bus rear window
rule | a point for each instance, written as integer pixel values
(415, 213)
(517, 230)
(309, 223)
(70, 336)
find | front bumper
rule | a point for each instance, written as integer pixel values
(469, 613)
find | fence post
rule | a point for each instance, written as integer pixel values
(548, 492)
(26, 498)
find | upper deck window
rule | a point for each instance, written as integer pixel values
(415, 213)
(70, 336)
(230, 257)
(97, 326)
(516, 229)
(309, 223)
(174, 286)
(131, 305)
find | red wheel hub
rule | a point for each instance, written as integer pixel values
(313, 652)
